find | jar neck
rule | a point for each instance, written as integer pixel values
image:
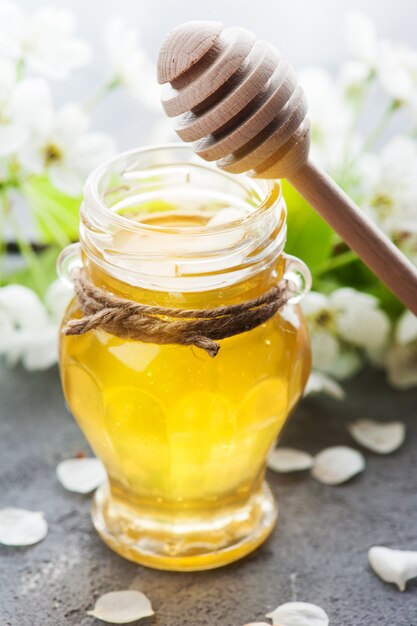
(157, 220)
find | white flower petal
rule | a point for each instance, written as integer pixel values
(12, 26)
(349, 298)
(393, 566)
(51, 48)
(32, 158)
(19, 527)
(8, 78)
(285, 460)
(364, 327)
(66, 179)
(81, 475)
(40, 349)
(397, 71)
(23, 307)
(122, 607)
(401, 363)
(353, 78)
(314, 303)
(326, 349)
(406, 330)
(90, 150)
(361, 38)
(319, 382)
(299, 614)
(330, 115)
(336, 465)
(12, 138)
(129, 62)
(30, 105)
(71, 123)
(380, 437)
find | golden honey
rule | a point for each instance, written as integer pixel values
(183, 436)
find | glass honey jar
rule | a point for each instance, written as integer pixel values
(183, 435)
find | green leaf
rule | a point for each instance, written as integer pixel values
(47, 261)
(56, 214)
(309, 237)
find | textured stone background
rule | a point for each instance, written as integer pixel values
(321, 540)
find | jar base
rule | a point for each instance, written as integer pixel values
(188, 544)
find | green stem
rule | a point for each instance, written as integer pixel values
(335, 262)
(377, 131)
(20, 69)
(100, 94)
(359, 105)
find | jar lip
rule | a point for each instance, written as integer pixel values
(270, 192)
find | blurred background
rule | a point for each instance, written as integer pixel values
(307, 32)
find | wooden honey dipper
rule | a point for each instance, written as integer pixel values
(239, 104)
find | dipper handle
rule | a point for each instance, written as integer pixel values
(359, 232)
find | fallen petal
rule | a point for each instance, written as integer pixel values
(122, 607)
(299, 614)
(19, 527)
(81, 475)
(337, 465)
(379, 437)
(284, 460)
(393, 566)
(319, 382)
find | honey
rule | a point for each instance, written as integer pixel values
(183, 436)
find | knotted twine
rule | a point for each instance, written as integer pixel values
(163, 325)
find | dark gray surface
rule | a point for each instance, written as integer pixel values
(322, 537)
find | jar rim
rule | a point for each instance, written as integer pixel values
(167, 252)
(270, 192)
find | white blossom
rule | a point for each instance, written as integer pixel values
(401, 360)
(8, 78)
(353, 79)
(394, 65)
(331, 118)
(28, 332)
(397, 73)
(129, 63)
(342, 325)
(56, 142)
(389, 187)
(12, 134)
(44, 40)
(25, 112)
(362, 39)
(66, 150)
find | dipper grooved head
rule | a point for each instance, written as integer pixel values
(234, 99)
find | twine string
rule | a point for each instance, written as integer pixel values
(202, 328)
